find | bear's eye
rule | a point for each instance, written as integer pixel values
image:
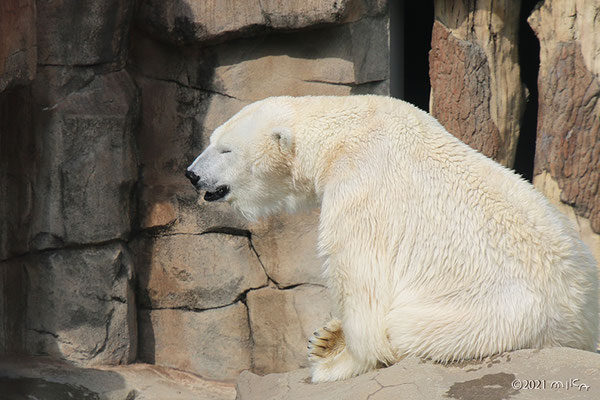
(224, 151)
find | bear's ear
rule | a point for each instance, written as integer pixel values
(284, 137)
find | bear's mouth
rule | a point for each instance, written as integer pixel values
(219, 193)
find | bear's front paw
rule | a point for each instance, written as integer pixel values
(326, 342)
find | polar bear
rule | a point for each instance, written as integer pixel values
(431, 249)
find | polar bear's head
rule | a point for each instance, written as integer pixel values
(249, 162)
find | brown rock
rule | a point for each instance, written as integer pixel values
(460, 80)
(71, 32)
(568, 142)
(477, 92)
(196, 271)
(555, 373)
(183, 22)
(214, 343)
(175, 123)
(281, 322)
(334, 61)
(18, 51)
(76, 305)
(299, 14)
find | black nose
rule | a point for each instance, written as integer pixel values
(192, 177)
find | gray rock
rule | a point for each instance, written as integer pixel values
(43, 378)
(214, 343)
(75, 304)
(556, 373)
(71, 32)
(195, 271)
(18, 51)
(281, 323)
(84, 167)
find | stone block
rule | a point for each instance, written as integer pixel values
(78, 304)
(214, 344)
(326, 61)
(281, 322)
(287, 247)
(195, 271)
(85, 165)
(185, 22)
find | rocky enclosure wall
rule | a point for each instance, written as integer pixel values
(107, 255)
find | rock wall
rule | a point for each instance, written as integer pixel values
(108, 256)
(69, 168)
(218, 295)
(567, 158)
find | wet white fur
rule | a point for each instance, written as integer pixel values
(432, 249)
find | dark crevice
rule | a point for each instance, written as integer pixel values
(229, 231)
(68, 246)
(44, 332)
(253, 249)
(240, 298)
(529, 61)
(418, 26)
(137, 72)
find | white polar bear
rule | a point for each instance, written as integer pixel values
(431, 249)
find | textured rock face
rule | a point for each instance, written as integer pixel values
(67, 171)
(463, 105)
(565, 373)
(281, 322)
(193, 271)
(71, 32)
(214, 344)
(477, 92)
(74, 304)
(74, 165)
(568, 141)
(186, 22)
(288, 255)
(85, 155)
(197, 260)
(18, 51)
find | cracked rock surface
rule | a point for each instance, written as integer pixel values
(558, 373)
